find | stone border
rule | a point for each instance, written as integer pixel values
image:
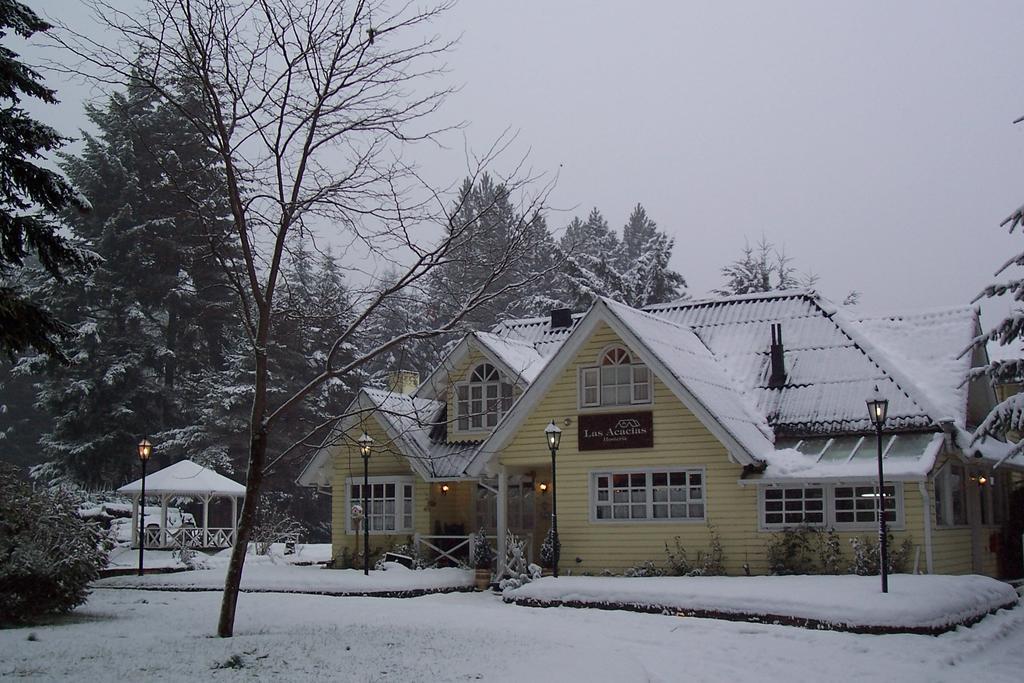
(408, 593)
(777, 619)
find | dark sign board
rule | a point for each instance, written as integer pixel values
(601, 431)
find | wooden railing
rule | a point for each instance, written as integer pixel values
(190, 536)
(444, 549)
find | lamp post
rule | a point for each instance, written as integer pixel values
(877, 408)
(145, 449)
(365, 444)
(554, 436)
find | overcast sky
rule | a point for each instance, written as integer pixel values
(874, 140)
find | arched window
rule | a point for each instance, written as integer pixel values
(617, 380)
(483, 399)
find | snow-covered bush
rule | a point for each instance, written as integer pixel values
(830, 552)
(643, 569)
(517, 571)
(187, 555)
(550, 549)
(708, 562)
(483, 554)
(48, 555)
(866, 555)
(791, 551)
(274, 524)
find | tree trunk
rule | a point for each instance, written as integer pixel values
(233, 580)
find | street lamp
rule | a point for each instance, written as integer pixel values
(145, 449)
(554, 436)
(365, 444)
(877, 408)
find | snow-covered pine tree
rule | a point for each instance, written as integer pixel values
(496, 227)
(30, 196)
(644, 262)
(762, 268)
(1008, 415)
(154, 313)
(591, 252)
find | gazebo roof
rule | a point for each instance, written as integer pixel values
(186, 477)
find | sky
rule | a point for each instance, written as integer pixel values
(872, 140)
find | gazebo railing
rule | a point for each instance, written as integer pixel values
(193, 537)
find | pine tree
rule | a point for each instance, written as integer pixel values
(30, 196)
(761, 268)
(644, 262)
(1008, 415)
(591, 252)
(155, 312)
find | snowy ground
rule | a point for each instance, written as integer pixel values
(146, 635)
(274, 573)
(913, 601)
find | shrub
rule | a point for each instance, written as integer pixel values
(274, 524)
(644, 569)
(791, 551)
(830, 552)
(483, 554)
(48, 555)
(866, 555)
(706, 563)
(550, 550)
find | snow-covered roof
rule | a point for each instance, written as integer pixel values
(410, 422)
(522, 358)
(187, 478)
(830, 367)
(693, 365)
(715, 354)
(907, 457)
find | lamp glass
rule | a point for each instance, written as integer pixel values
(553, 435)
(145, 449)
(877, 408)
(365, 444)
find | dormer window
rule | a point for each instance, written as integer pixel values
(483, 399)
(616, 381)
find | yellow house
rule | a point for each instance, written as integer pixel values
(735, 417)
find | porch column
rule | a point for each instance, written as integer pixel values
(502, 518)
(163, 520)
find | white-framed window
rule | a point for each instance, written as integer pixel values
(616, 380)
(482, 399)
(794, 506)
(839, 506)
(951, 495)
(674, 494)
(389, 506)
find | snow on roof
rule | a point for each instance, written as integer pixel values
(521, 357)
(828, 372)
(908, 457)
(697, 369)
(928, 347)
(537, 332)
(411, 420)
(186, 477)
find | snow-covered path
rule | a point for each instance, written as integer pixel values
(140, 635)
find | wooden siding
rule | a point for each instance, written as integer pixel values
(384, 461)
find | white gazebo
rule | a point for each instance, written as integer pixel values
(190, 480)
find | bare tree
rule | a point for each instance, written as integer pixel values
(310, 106)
